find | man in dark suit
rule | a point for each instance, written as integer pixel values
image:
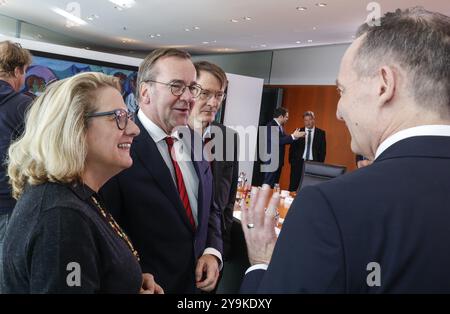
(275, 131)
(312, 146)
(383, 228)
(14, 61)
(221, 142)
(165, 200)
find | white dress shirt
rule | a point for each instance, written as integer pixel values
(306, 143)
(183, 157)
(423, 130)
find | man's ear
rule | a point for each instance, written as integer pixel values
(388, 82)
(18, 71)
(144, 93)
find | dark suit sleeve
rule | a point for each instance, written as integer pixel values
(287, 139)
(228, 213)
(308, 256)
(323, 147)
(214, 236)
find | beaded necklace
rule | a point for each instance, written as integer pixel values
(115, 226)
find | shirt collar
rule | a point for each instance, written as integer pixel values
(423, 130)
(277, 122)
(155, 132)
(207, 133)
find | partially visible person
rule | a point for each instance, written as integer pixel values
(362, 161)
(280, 117)
(220, 140)
(311, 146)
(165, 200)
(383, 228)
(61, 238)
(14, 62)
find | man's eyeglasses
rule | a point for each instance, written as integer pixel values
(177, 88)
(121, 116)
(207, 95)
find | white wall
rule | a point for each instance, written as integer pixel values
(254, 64)
(307, 66)
(242, 110)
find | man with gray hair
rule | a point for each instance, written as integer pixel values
(383, 228)
(14, 61)
(164, 201)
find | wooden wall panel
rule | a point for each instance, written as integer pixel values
(322, 100)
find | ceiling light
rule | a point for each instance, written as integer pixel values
(263, 45)
(234, 21)
(298, 42)
(196, 28)
(152, 36)
(92, 17)
(158, 35)
(301, 8)
(310, 40)
(187, 30)
(124, 4)
(247, 18)
(205, 42)
(69, 16)
(314, 28)
(321, 4)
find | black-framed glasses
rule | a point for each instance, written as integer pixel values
(206, 94)
(121, 116)
(177, 88)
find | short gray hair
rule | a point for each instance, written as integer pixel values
(309, 114)
(419, 41)
(147, 68)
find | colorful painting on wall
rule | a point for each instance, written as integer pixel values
(47, 69)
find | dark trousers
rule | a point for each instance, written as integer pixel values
(296, 175)
(271, 178)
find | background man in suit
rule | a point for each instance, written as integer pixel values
(280, 117)
(14, 62)
(381, 228)
(311, 146)
(164, 201)
(221, 142)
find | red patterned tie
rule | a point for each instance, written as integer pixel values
(180, 183)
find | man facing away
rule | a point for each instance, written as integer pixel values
(14, 61)
(383, 228)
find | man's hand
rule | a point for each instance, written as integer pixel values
(149, 286)
(297, 134)
(207, 272)
(258, 225)
(364, 163)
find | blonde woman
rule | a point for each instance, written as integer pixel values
(61, 239)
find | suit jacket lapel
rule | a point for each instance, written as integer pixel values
(146, 150)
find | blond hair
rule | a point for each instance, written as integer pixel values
(53, 145)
